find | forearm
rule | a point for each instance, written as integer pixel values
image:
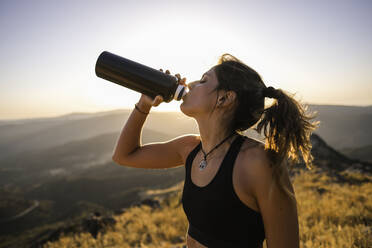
(130, 136)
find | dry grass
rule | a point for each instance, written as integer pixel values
(330, 215)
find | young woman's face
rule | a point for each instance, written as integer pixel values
(201, 97)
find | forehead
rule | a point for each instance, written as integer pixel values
(209, 73)
(211, 78)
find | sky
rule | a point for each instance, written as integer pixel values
(321, 51)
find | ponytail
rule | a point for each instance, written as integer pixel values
(287, 129)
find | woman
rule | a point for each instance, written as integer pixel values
(237, 190)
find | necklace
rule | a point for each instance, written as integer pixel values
(203, 163)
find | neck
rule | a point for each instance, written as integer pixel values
(212, 133)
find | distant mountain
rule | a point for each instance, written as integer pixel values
(362, 153)
(344, 126)
(66, 117)
(73, 160)
(40, 134)
(341, 126)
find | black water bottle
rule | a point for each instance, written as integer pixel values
(139, 77)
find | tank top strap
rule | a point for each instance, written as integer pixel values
(190, 159)
(231, 157)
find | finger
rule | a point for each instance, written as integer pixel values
(157, 101)
(153, 102)
(178, 76)
(183, 81)
(158, 98)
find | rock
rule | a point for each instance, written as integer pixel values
(96, 223)
(149, 202)
(332, 161)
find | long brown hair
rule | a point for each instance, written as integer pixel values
(285, 124)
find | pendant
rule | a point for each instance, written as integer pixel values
(202, 165)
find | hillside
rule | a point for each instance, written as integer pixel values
(331, 161)
(70, 179)
(114, 187)
(330, 222)
(55, 171)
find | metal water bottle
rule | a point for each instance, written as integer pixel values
(138, 77)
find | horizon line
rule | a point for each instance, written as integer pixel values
(153, 110)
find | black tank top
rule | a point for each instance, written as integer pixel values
(217, 217)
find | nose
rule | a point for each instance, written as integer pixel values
(191, 85)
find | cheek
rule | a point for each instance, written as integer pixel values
(198, 100)
(194, 106)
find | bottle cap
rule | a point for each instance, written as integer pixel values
(181, 91)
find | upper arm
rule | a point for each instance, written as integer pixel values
(162, 154)
(278, 210)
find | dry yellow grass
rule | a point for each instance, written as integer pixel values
(341, 216)
(330, 215)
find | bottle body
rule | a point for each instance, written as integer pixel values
(138, 77)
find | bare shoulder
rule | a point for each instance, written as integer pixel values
(255, 162)
(186, 144)
(277, 209)
(253, 152)
(258, 169)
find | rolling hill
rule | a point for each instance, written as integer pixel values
(64, 163)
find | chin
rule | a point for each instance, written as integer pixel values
(184, 109)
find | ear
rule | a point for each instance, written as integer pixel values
(227, 99)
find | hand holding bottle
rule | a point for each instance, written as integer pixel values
(147, 102)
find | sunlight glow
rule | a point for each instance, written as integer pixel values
(312, 49)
